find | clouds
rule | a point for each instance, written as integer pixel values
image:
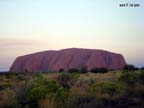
(15, 42)
(12, 48)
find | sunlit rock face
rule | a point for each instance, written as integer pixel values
(67, 59)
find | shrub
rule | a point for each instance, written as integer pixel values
(99, 70)
(83, 101)
(8, 99)
(48, 102)
(84, 70)
(8, 75)
(94, 70)
(141, 77)
(107, 89)
(43, 87)
(61, 70)
(129, 67)
(53, 101)
(133, 78)
(136, 92)
(21, 91)
(142, 68)
(67, 80)
(64, 80)
(74, 75)
(90, 81)
(129, 78)
(73, 70)
(21, 77)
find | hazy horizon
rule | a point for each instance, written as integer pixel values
(30, 26)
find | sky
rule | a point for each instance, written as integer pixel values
(28, 26)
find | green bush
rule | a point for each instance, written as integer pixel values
(48, 102)
(137, 91)
(67, 80)
(8, 99)
(83, 101)
(130, 78)
(133, 77)
(73, 70)
(64, 80)
(99, 70)
(141, 77)
(67, 90)
(74, 75)
(142, 68)
(129, 67)
(61, 70)
(108, 88)
(21, 77)
(84, 70)
(43, 87)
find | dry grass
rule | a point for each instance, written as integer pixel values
(51, 75)
(49, 102)
(112, 75)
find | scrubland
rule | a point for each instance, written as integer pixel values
(113, 89)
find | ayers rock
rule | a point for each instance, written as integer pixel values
(67, 58)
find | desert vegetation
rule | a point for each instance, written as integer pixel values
(80, 89)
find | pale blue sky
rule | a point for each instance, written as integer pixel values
(28, 26)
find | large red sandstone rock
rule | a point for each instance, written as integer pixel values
(66, 59)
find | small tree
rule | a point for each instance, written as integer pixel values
(142, 68)
(61, 70)
(73, 70)
(94, 70)
(129, 67)
(41, 88)
(141, 77)
(103, 70)
(26, 70)
(99, 70)
(64, 80)
(84, 70)
(67, 79)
